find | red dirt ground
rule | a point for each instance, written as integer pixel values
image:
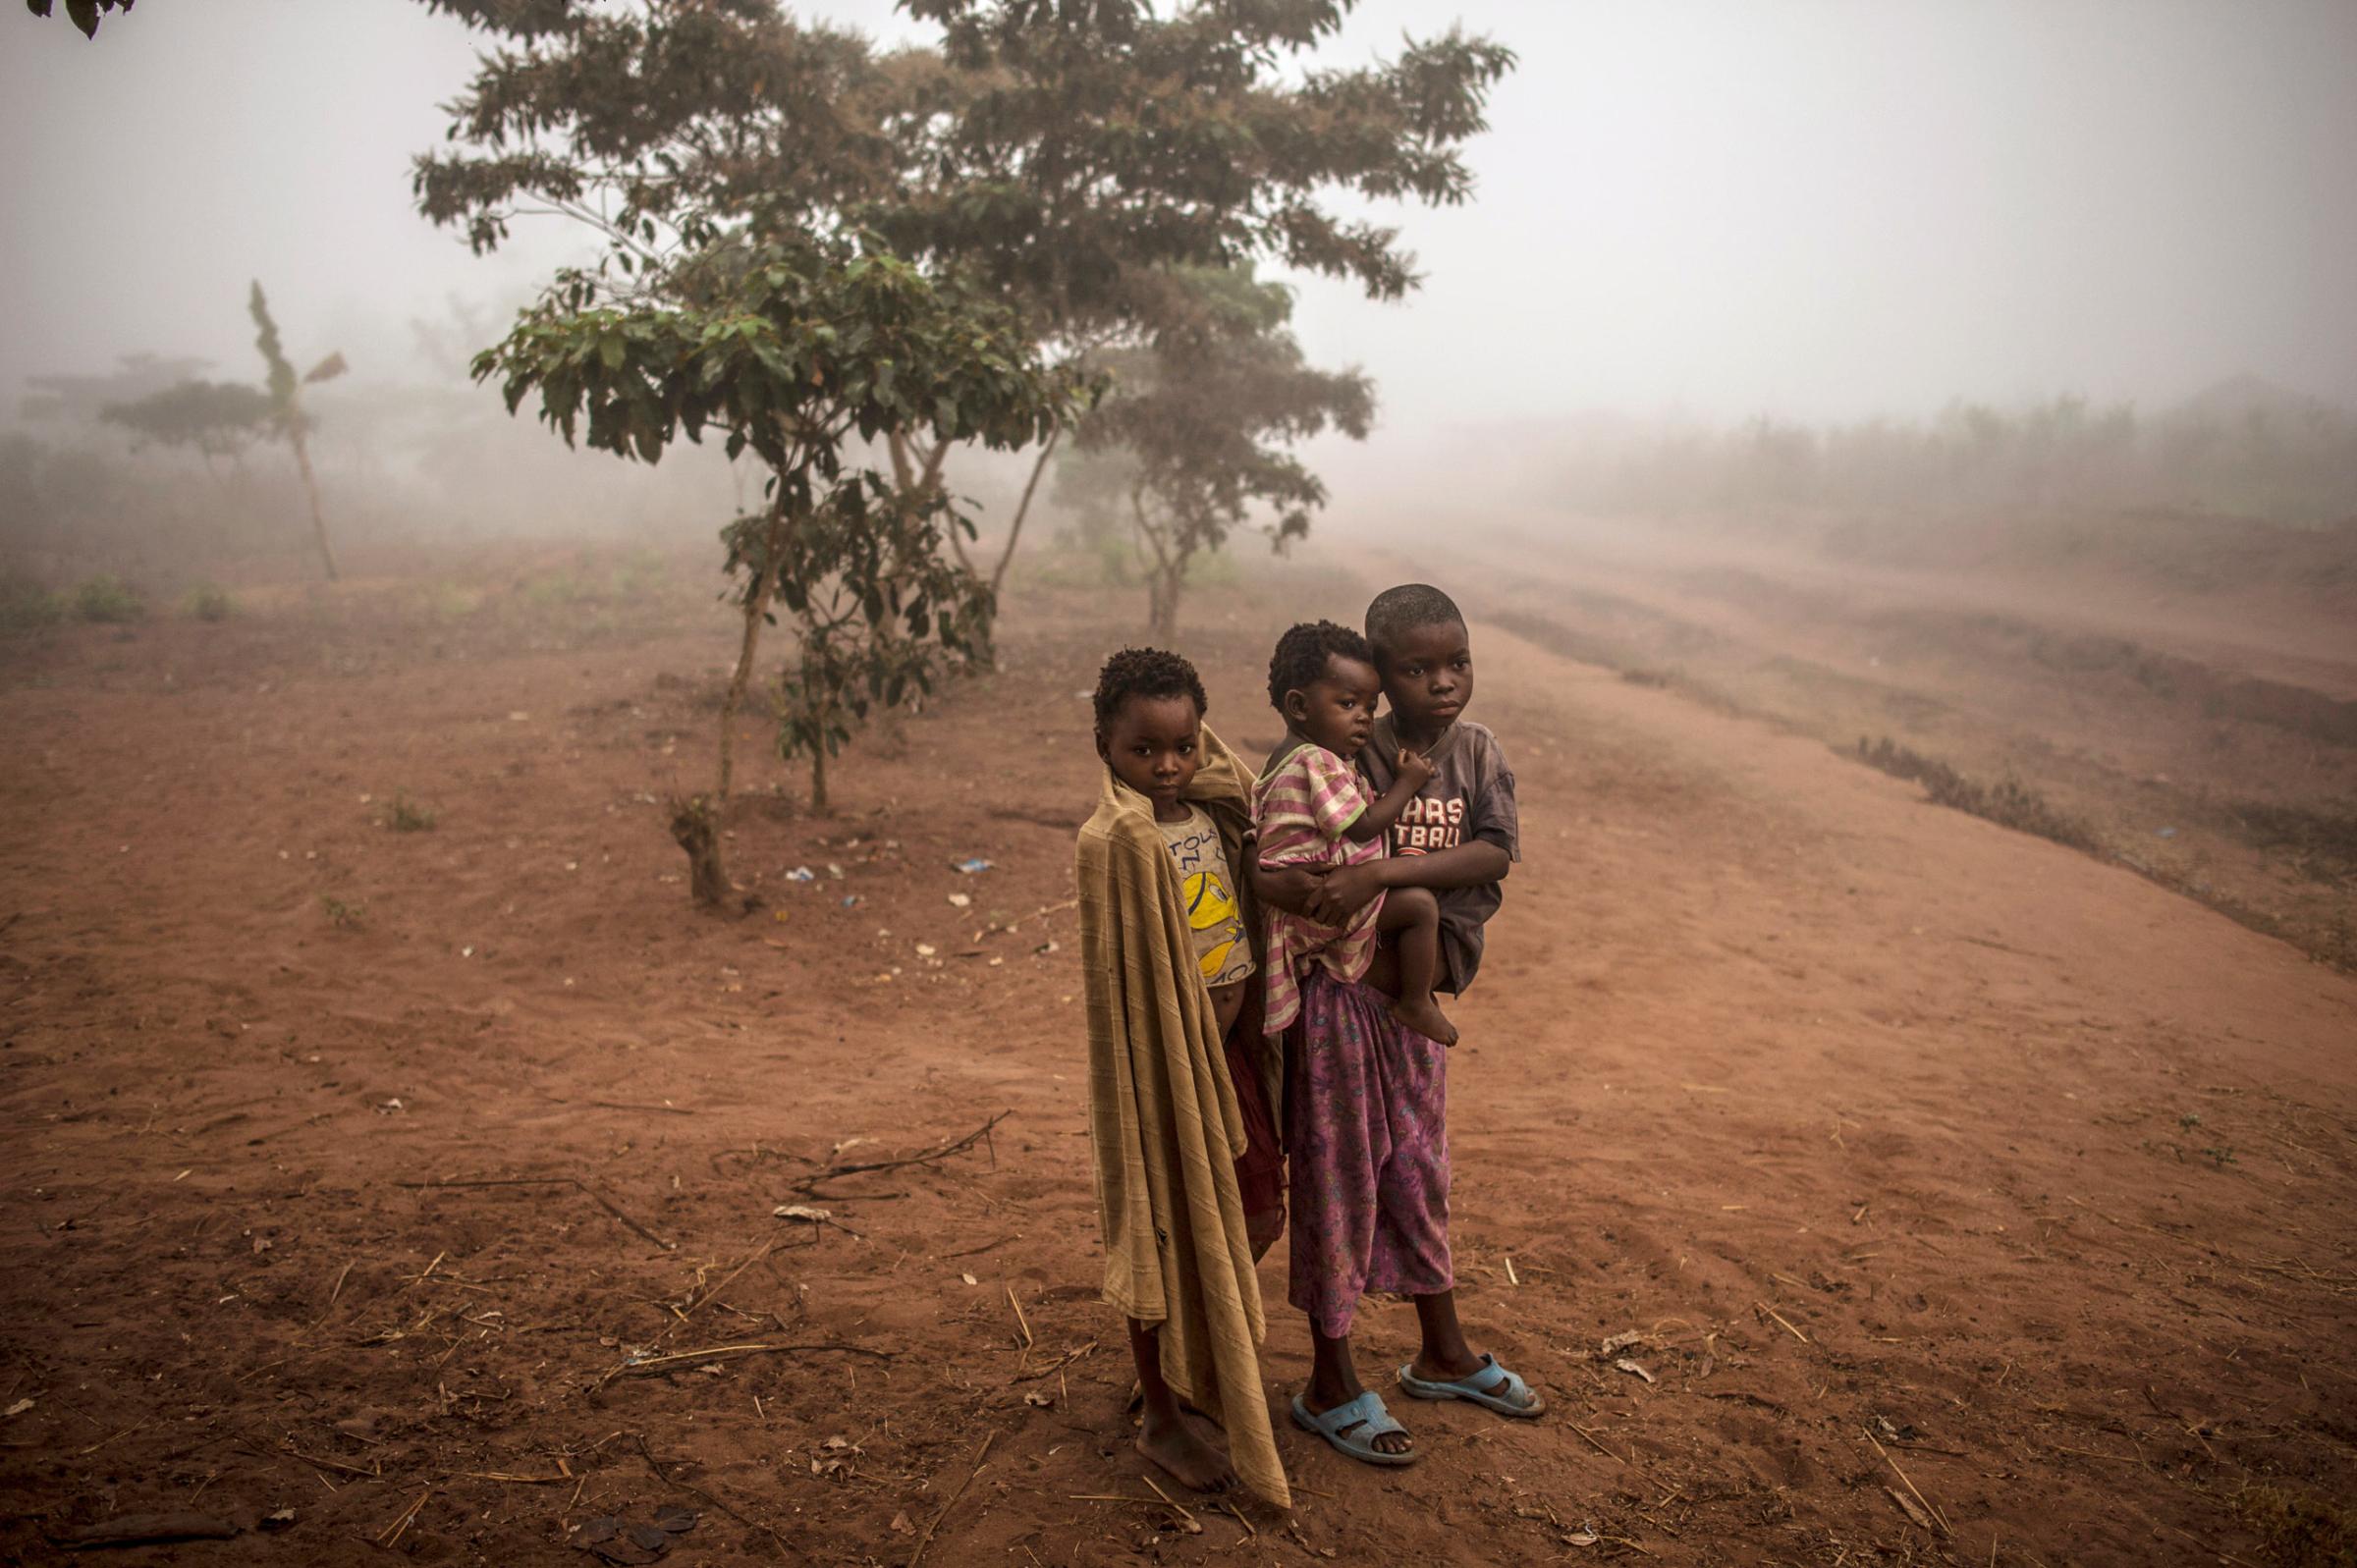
(1874, 1119)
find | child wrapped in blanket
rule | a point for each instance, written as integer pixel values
(1190, 1180)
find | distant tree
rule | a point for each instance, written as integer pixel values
(1074, 158)
(1204, 418)
(793, 349)
(83, 14)
(1094, 160)
(66, 398)
(288, 420)
(213, 418)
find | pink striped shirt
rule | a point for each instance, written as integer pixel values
(1302, 807)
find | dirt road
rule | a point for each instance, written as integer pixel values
(2204, 737)
(1878, 1123)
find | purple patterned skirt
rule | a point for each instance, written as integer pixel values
(1366, 1110)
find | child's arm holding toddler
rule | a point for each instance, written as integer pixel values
(1376, 821)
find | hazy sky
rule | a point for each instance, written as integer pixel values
(1818, 208)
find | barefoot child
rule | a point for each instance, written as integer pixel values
(1366, 1104)
(1165, 954)
(1310, 810)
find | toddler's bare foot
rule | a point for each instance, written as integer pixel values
(1424, 1016)
(1174, 1446)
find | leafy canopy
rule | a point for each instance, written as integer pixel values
(217, 418)
(788, 347)
(1067, 153)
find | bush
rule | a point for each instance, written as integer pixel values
(110, 601)
(405, 815)
(26, 606)
(207, 602)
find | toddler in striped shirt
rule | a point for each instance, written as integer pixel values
(1311, 808)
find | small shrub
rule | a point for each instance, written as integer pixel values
(26, 606)
(2323, 843)
(405, 815)
(110, 601)
(341, 915)
(207, 602)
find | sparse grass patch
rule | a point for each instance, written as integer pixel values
(341, 915)
(559, 590)
(404, 815)
(26, 606)
(449, 601)
(210, 602)
(2323, 844)
(2299, 1532)
(2008, 802)
(640, 573)
(109, 600)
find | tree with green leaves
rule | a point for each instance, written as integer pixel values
(793, 348)
(83, 14)
(288, 419)
(1077, 159)
(213, 418)
(1203, 420)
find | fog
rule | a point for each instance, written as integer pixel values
(1696, 214)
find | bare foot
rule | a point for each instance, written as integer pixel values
(1176, 1448)
(1424, 1016)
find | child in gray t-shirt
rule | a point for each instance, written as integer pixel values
(1458, 836)
(1469, 800)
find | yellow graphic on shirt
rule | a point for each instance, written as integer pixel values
(1210, 907)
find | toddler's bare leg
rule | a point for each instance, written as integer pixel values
(1411, 917)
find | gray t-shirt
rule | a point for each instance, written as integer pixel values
(1471, 796)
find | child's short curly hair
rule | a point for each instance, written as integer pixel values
(1302, 653)
(1410, 607)
(1145, 673)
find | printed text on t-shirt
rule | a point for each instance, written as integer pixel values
(1426, 825)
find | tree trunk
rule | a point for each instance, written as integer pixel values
(756, 612)
(1166, 570)
(1015, 530)
(695, 824)
(1161, 600)
(904, 474)
(311, 487)
(818, 781)
(916, 487)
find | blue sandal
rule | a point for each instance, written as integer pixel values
(1367, 1415)
(1492, 1387)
